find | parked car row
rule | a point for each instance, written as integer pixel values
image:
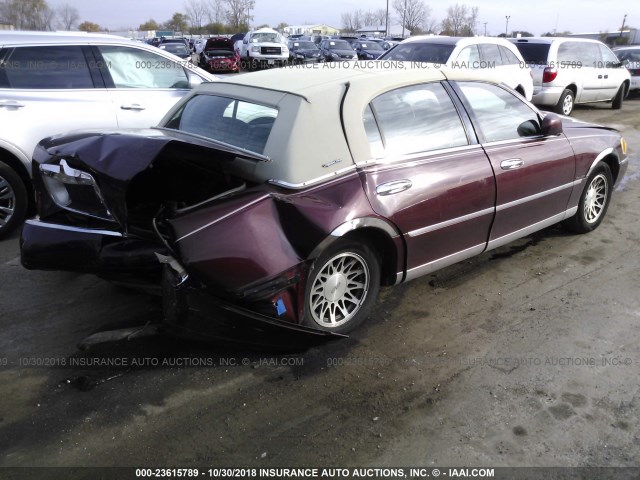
(53, 82)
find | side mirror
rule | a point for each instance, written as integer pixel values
(551, 125)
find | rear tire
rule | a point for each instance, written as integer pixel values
(14, 200)
(565, 103)
(616, 104)
(342, 287)
(594, 201)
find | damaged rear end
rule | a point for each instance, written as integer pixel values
(151, 208)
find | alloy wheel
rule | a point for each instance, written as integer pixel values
(339, 290)
(596, 198)
(7, 202)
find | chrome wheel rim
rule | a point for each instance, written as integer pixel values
(567, 105)
(7, 202)
(339, 290)
(595, 199)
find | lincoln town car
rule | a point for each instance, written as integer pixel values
(291, 196)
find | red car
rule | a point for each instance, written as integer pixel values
(237, 201)
(219, 55)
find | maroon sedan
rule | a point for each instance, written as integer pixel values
(236, 201)
(219, 54)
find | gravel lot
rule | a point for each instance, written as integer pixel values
(525, 356)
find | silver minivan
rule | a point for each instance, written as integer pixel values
(569, 71)
(55, 82)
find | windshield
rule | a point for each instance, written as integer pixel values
(175, 48)
(370, 46)
(420, 52)
(228, 120)
(265, 37)
(339, 45)
(304, 46)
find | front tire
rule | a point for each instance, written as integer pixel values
(13, 200)
(342, 287)
(594, 201)
(566, 102)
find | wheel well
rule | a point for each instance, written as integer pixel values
(18, 167)
(574, 89)
(384, 248)
(612, 161)
(627, 85)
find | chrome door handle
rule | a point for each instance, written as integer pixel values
(132, 106)
(391, 188)
(511, 164)
(11, 104)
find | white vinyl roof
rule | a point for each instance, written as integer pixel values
(307, 141)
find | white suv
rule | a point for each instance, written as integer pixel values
(485, 57)
(55, 82)
(264, 47)
(567, 71)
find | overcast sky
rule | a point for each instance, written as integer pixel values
(539, 16)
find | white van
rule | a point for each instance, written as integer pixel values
(567, 71)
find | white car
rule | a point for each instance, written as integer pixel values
(55, 82)
(567, 71)
(485, 56)
(264, 48)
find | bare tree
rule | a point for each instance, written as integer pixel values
(412, 13)
(28, 14)
(379, 16)
(352, 21)
(196, 11)
(216, 12)
(68, 16)
(238, 13)
(460, 21)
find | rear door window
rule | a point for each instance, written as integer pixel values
(508, 57)
(415, 119)
(46, 67)
(490, 55)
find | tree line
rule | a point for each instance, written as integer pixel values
(200, 16)
(416, 17)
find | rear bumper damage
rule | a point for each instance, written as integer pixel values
(188, 307)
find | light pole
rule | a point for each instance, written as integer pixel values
(506, 28)
(404, 12)
(485, 28)
(622, 27)
(386, 19)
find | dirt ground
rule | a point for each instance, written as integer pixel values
(525, 356)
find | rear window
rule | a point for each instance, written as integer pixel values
(228, 120)
(534, 53)
(420, 52)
